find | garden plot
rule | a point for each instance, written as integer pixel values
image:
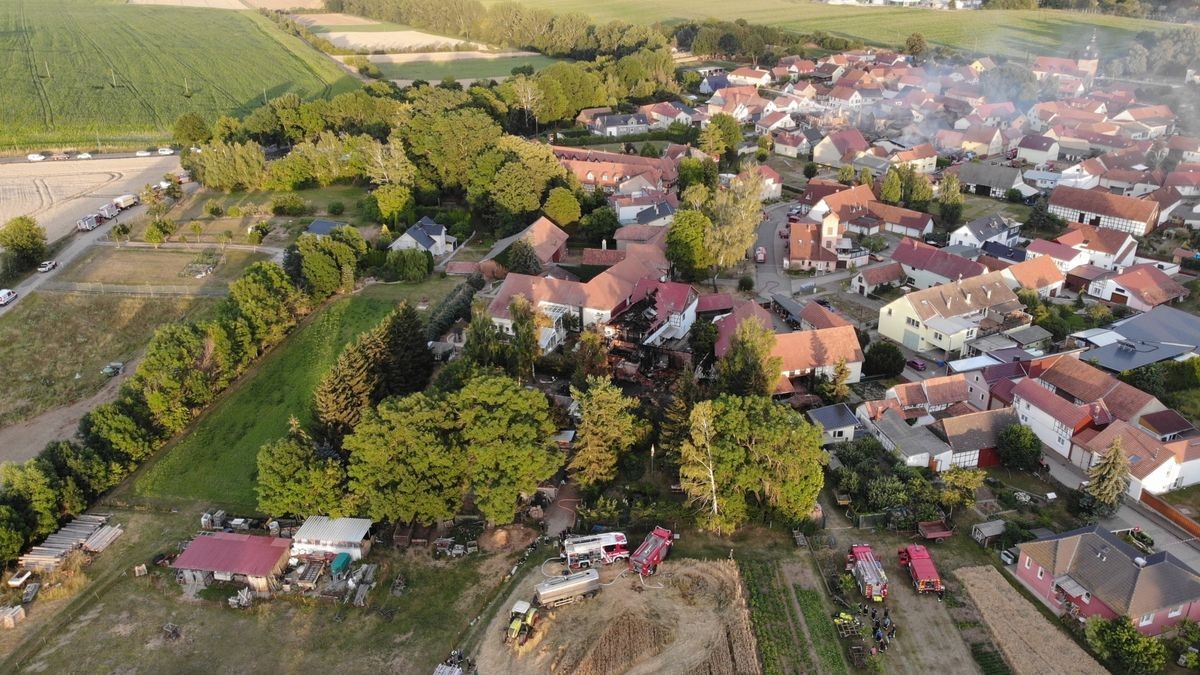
(696, 622)
(1030, 643)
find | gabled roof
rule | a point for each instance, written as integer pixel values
(977, 431)
(921, 256)
(1150, 285)
(336, 530)
(969, 296)
(805, 350)
(1107, 567)
(1003, 252)
(322, 227)
(1052, 249)
(1036, 274)
(233, 553)
(819, 317)
(1098, 239)
(1036, 142)
(543, 235)
(883, 274)
(991, 225)
(1050, 403)
(837, 416)
(1104, 203)
(992, 175)
(946, 389)
(1166, 422)
(909, 441)
(1088, 384)
(848, 140)
(727, 325)
(1162, 324)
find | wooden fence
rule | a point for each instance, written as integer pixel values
(1171, 513)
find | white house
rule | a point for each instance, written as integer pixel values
(994, 227)
(750, 76)
(1141, 287)
(425, 235)
(1052, 418)
(917, 446)
(1065, 258)
(1107, 249)
(1138, 217)
(1037, 150)
(946, 317)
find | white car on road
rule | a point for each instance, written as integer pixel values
(165, 151)
(84, 155)
(35, 157)
(143, 153)
(7, 296)
(47, 265)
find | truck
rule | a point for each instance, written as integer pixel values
(925, 577)
(522, 618)
(646, 558)
(868, 572)
(566, 589)
(125, 201)
(87, 223)
(587, 551)
(109, 211)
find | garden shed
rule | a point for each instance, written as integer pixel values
(986, 531)
(322, 535)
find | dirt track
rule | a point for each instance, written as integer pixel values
(58, 193)
(697, 622)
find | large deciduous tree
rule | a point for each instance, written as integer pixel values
(25, 240)
(685, 244)
(606, 431)
(735, 214)
(1018, 447)
(292, 480)
(747, 368)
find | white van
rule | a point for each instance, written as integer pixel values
(7, 295)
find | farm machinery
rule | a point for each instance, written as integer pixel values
(868, 572)
(653, 550)
(522, 618)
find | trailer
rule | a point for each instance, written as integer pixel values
(868, 572)
(588, 551)
(653, 550)
(126, 201)
(567, 589)
(109, 211)
(87, 223)
(936, 530)
(925, 577)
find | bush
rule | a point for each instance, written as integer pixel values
(234, 212)
(746, 283)
(336, 208)
(1013, 195)
(213, 208)
(289, 205)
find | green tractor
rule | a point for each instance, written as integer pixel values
(522, 619)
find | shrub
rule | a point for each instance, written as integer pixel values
(746, 283)
(289, 205)
(213, 208)
(234, 212)
(1013, 195)
(336, 208)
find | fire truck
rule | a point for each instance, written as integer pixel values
(646, 558)
(921, 568)
(868, 572)
(594, 549)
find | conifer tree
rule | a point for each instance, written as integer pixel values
(349, 387)
(1109, 477)
(606, 431)
(409, 363)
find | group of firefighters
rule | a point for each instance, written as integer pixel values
(883, 628)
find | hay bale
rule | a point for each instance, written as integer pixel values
(623, 643)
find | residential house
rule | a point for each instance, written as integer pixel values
(945, 317)
(923, 398)
(617, 172)
(792, 145)
(549, 242)
(1065, 258)
(323, 536)
(228, 556)
(727, 324)
(1186, 183)
(818, 352)
(628, 206)
(917, 446)
(750, 76)
(637, 234)
(1166, 425)
(588, 115)
(1054, 419)
(1138, 217)
(1184, 149)
(993, 180)
(774, 121)
(1039, 274)
(897, 220)
(1107, 249)
(837, 422)
(867, 281)
(772, 183)
(845, 98)
(1141, 287)
(922, 158)
(1093, 572)
(815, 317)
(1054, 66)
(657, 314)
(620, 125)
(974, 437)
(1146, 122)
(983, 141)
(1152, 466)
(928, 266)
(664, 114)
(840, 147)
(1037, 150)
(713, 83)
(425, 235)
(991, 228)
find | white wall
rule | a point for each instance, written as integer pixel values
(1044, 426)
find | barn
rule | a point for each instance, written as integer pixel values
(227, 556)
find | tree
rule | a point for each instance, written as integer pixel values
(191, 130)
(959, 486)
(730, 130)
(865, 177)
(696, 196)
(747, 368)
(349, 388)
(197, 229)
(600, 224)
(605, 431)
(292, 480)
(1123, 647)
(37, 490)
(395, 202)
(950, 200)
(521, 258)
(845, 174)
(12, 533)
(1019, 448)
(915, 44)
(675, 425)
(919, 191)
(483, 341)
(591, 358)
(1009, 82)
(119, 231)
(837, 389)
(693, 171)
(885, 492)
(890, 191)
(409, 363)
(1109, 478)
(1042, 220)
(810, 170)
(712, 141)
(562, 207)
(504, 434)
(1136, 59)
(523, 348)
(403, 463)
(685, 243)
(883, 358)
(25, 240)
(735, 213)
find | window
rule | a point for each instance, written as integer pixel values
(1041, 573)
(1086, 598)
(1147, 619)
(937, 336)
(912, 322)
(889, 312)
(839, 433)
(1028, 562)
(1175, 612)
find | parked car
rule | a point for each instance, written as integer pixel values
(143, 153)
(7, 295)
(113, 369)
(824, 303)
(916, 364)
(783, 233)
(760, 254)
(47, 265)
(84, 155)
(59, 157)
(1009, 556)
(35, 157)
(165, 151)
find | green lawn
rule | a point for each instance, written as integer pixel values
(215, 460)
(88, 72)
(319, 198)
(462, 69)
(1010, 32)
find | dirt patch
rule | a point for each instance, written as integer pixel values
(385, 40)
(691, 618)
(507, 538)
(427, 57)
(327, 19)
(1030, 643)
(283, 5)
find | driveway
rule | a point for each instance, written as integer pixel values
(560, 516)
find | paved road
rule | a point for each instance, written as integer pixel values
(21, 159)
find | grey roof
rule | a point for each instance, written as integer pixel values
(991, 175)
(1030, 334)
(793, 308)
(990, 528)
(998, 250)
(430, 226)
(977, 431)
(813, 135)
(1161, 324)
(621, 120)
(322, 227)
(990, 226)
(659, 210)
(716, 82)
(332, 530)
(835, 416)
(962, 251)
(1130, 354)
(1107, 567)
(424, 230)
(909, 441)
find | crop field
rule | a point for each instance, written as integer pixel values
(56, 344)
(1008, 32)
(101, 72)
(461, 69)
(215, 460)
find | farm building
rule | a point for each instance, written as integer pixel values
(323, 535)
(226, 556)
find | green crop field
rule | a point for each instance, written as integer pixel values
(461, 69)
(99, 72)
(1005, 32)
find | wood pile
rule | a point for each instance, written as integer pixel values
(11, 616)
(102, 538)
(49, 555)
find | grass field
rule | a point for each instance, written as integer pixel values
(49, 338)
(1010, 32)
(215, 461)
(462, 69)
(105, 265)
(82, 72)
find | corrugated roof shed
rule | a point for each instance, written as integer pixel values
(234, 553)
(333, 530)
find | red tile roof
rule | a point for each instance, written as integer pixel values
(819, 317)
(883, 274)
(1150, 284)
(233, 553)
(727, 325)
(1052, 249)
(1050, 403)
(805, 350)
(922, 256)
(1037, 273)
(1104, 203)
(1098, 239)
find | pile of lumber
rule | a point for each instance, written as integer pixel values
(102, 537)
(48, 556)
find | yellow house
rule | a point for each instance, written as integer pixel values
(946, 317)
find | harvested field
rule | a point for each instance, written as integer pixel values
(389, 40)
(286, 4)
(328, 19)
(170, 267)
(422, 57)
(207, 4)
(696, 623)
(1030, 643)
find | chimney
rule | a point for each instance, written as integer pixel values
(988, 293)
(603, 244)
(968, 297)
